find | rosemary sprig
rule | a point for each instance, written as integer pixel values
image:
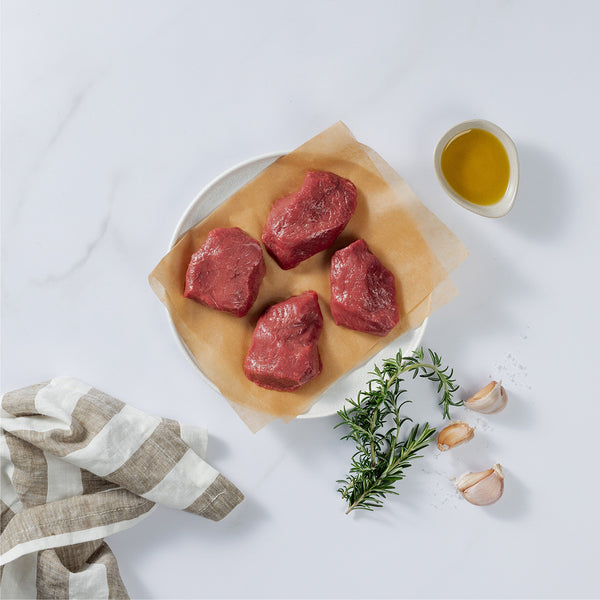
(432, 370)
(374, 420)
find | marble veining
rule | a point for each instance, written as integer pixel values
(92, 245)
(74, 107)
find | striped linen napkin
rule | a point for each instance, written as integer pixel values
(78, 465)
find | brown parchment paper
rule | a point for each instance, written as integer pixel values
(407, 238)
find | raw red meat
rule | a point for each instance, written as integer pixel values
(363, 291)
(310, 219)
(226, 272)
(283, 354)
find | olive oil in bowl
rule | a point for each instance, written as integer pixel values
(477, 164)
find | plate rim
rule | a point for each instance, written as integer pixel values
(224, 175)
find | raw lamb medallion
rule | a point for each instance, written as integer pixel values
(226, 272)
(363, 291)
(283, 354)
(309, 220)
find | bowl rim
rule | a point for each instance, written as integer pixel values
(505, 204)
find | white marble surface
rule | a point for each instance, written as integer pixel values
(116, 113)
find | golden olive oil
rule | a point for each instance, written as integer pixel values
(475, 164)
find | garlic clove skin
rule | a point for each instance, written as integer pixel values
(488, 400)
(454, 434)
(483, 488)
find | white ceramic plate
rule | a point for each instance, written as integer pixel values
(212, 196)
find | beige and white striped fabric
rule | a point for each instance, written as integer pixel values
(78, 465)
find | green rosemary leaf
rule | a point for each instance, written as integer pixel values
(375, 425)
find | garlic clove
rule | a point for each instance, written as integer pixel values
(483, 488)
(454, 434)
(470, 479)
(490, 399)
